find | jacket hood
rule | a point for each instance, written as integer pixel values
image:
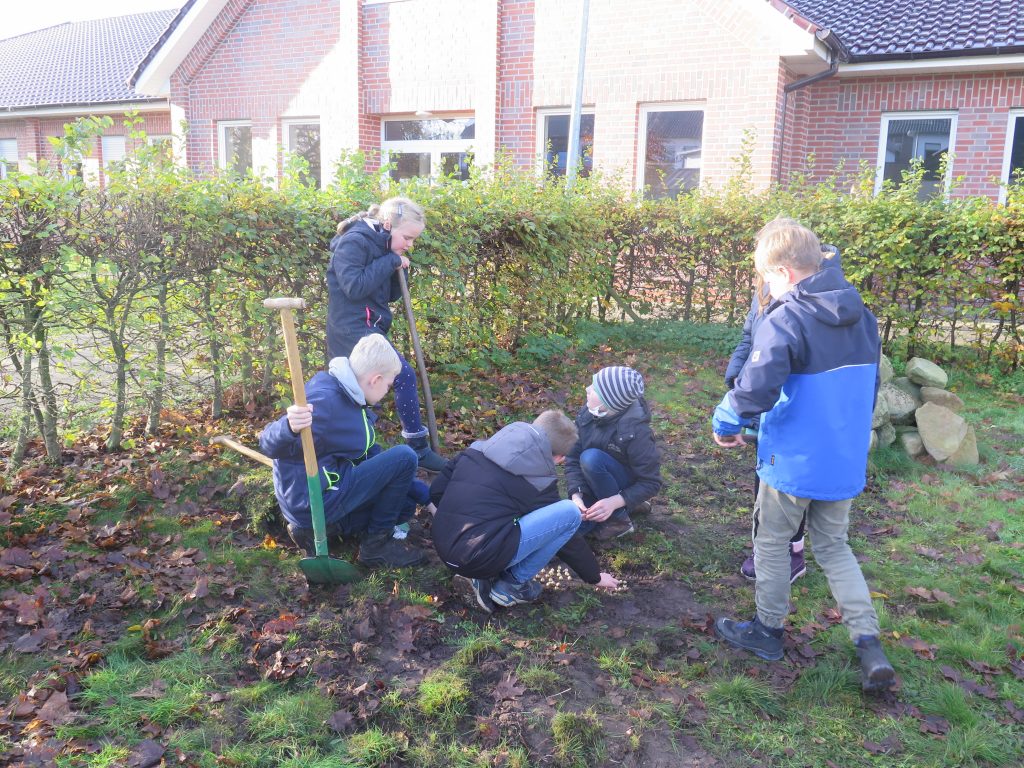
(362, 230)
(828, 298)
(523, 451)
(340, 369)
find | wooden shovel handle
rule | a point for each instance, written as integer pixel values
(284, 303)
(242, 449)
(291, 346)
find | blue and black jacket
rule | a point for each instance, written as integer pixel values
(813, 374)
(343, 435)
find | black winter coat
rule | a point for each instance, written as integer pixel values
(626, 437)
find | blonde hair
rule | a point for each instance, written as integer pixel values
(394, 211)
(785, 242)
(374, 354)
(560, 430)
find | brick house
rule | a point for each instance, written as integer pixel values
(672, 89)
(52, 76)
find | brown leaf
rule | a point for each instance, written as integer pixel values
(154, 691)
(341, 721)
(929, 552)
(943, 597)
(201, 590)
(56, 710)
(919, 647)
(146, 754)
(362, 630)
(935, 725)
(508, 689)
(282, 625)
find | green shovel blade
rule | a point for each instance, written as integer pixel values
(324, 569)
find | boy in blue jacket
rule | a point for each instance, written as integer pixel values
(812, 377)
(366, 490)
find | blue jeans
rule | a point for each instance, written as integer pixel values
(606, 477)
(378, 494)
(541, 534)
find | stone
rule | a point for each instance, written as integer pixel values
(912, 443)
(912, 389)
(926, 373)
(942, 431)
(885, 372)
(874, 441)
(942, 397)
(967, 454)
(886, 435)
(881, 414)
(899, 405)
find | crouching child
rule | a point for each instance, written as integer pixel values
(366, 490)
(500, 518)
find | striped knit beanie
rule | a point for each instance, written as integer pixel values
(618, 387)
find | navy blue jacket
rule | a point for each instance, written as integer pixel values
(812, 373)
(343, 436)
(361, 283)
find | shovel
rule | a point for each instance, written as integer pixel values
(428, 400)
(322, 569)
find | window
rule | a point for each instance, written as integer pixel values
(670, 150)
(8, 157)
(302, 139)
(236, 147)
(113, 148)
(553, 135)
(438, 146)
(922, 136)
(1013, 160)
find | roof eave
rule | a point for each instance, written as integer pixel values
(153, 74)
(86, 107)
(960, 61)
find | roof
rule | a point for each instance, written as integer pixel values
(79, 63)
(908, 29)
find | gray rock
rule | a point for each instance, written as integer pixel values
(885, 372)
(926, 373)
(881, 414)
(942, 397)
(899, 405)
(942, 431)
(912, 443)
(886, 435)
(967, 454)
(912, 389)
(874, 441)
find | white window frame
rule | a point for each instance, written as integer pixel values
(434, 147)
(222, 144)
(1011, 124)
(105, 141)
(541, 144)
(883, 137)
(4, 160)
(675, 106)
(286, 138)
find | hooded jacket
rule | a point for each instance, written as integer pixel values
(361, 282)
(812, 373)
(626, 437)
(482, 493)
(343, 436)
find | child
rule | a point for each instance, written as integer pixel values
(499, 516)
(811, 375)
(365, 490)
(758, 303)
(615, 466)
(362, 280)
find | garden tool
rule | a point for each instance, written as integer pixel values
(428, 399)
(245, 451)
(321, 569)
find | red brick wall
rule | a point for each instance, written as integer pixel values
(516, 130)
(839, 120)
(374, 82)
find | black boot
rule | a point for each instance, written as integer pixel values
(430, 461)
(876, 673)
(384, 549)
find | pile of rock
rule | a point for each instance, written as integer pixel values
(918, 411)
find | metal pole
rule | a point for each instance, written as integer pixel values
(573, 156)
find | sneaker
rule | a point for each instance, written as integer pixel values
(303, 539)
(643, 508)
(876, 673)
(508, 593)
(797, 567)
(383, 549)
(613, 528)
(474, 592)
(753, 636)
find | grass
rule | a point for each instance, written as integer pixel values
(578, 739)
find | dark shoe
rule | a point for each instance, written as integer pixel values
(428, 460)
(384, 549)
(303, 539)
(747, 569)
(474, 592)
(876, 673)
(797, 567)
(643, 508)
(613, 528)
(752, 636)
(507, 593)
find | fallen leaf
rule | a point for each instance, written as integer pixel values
(146, 754)
(508, 689)
(56, 710)
(341, 721)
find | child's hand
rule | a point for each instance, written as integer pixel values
(405, 262)
(729, 441)
(602, 509)
(607, 581)
(578, 501)
(300, 417)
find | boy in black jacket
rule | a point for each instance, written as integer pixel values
(615, 467)
(500, 518)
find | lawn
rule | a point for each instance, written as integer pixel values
(148, 613)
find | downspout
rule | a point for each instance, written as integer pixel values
(837, 54)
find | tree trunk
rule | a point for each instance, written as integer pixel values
(48, 415)
(217, 406)
(25, 428)
(156, 401)
(120, 395)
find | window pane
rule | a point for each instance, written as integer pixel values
(238, 148)
(435, 129)
(304, 141)
(8, 156)
(922, 139)
(1017, 150)
(408, 165)
(673, 148)
(455, 164)
(556, 142)
(113, 149)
